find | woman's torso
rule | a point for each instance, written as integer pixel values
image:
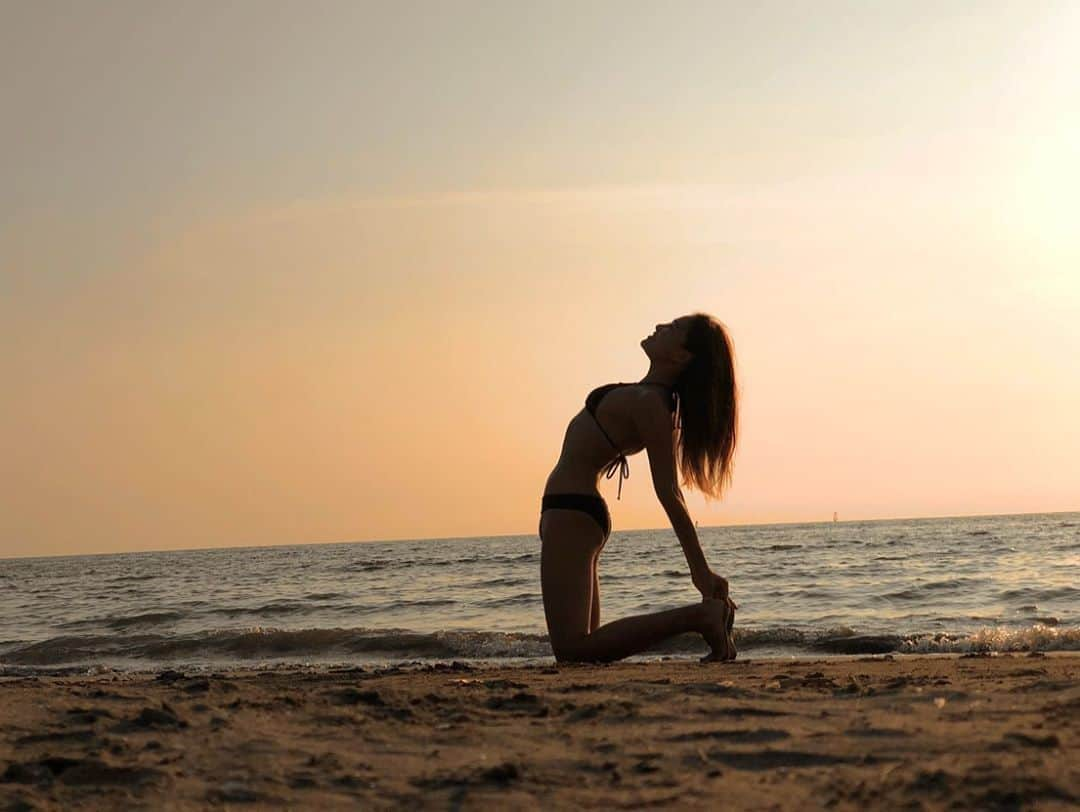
(586, 452)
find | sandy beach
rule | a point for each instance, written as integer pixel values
(986, 732)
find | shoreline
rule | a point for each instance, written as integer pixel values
(839, 731)
(274, 648)
(133, 669)
(404, 664)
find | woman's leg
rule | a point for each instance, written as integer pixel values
(571, 540)
(594, 615)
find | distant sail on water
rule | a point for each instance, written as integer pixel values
(835, 518)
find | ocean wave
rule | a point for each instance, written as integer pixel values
(373, 566)
(505, 558)
(1040, 637)
(377, 564)
(122, 622)
(1037, 594)
(427, 602)
(813, 592)
(505, 581)
(918, 591)
(280, 611)
(262, 644)
(521, 599)
(122, 579)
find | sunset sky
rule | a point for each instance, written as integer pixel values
(308, 272)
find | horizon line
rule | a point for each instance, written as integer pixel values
(516, 535)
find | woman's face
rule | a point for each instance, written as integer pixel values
(668, 339)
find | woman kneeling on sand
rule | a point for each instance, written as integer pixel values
(685, 402)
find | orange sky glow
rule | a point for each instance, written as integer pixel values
(346, 274)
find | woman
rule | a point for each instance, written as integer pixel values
(686, 403)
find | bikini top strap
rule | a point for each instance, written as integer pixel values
(620, 463)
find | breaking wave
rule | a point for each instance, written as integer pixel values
(261, 644)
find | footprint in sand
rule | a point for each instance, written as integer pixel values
(754, 736)
(78, 772)
(771, 759)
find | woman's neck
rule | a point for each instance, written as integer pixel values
(661, 375)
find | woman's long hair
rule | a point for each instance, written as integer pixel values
(707, 414)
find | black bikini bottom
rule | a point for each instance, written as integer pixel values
(589, 503)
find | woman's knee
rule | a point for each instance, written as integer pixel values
(573, 650)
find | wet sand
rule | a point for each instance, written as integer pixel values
(978, 732)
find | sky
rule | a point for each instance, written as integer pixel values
(307, 272)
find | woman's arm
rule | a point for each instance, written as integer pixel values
(700, 574)
(654, 424)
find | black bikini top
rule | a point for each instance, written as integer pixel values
(620, 463)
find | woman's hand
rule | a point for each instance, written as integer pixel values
(713, 587)
(714, 590)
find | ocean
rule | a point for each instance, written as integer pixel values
(985, 583)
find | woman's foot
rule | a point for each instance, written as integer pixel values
(732, 651)
(717, 621)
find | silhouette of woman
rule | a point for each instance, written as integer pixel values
(684, 413)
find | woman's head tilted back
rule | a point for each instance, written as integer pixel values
(708, 414)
